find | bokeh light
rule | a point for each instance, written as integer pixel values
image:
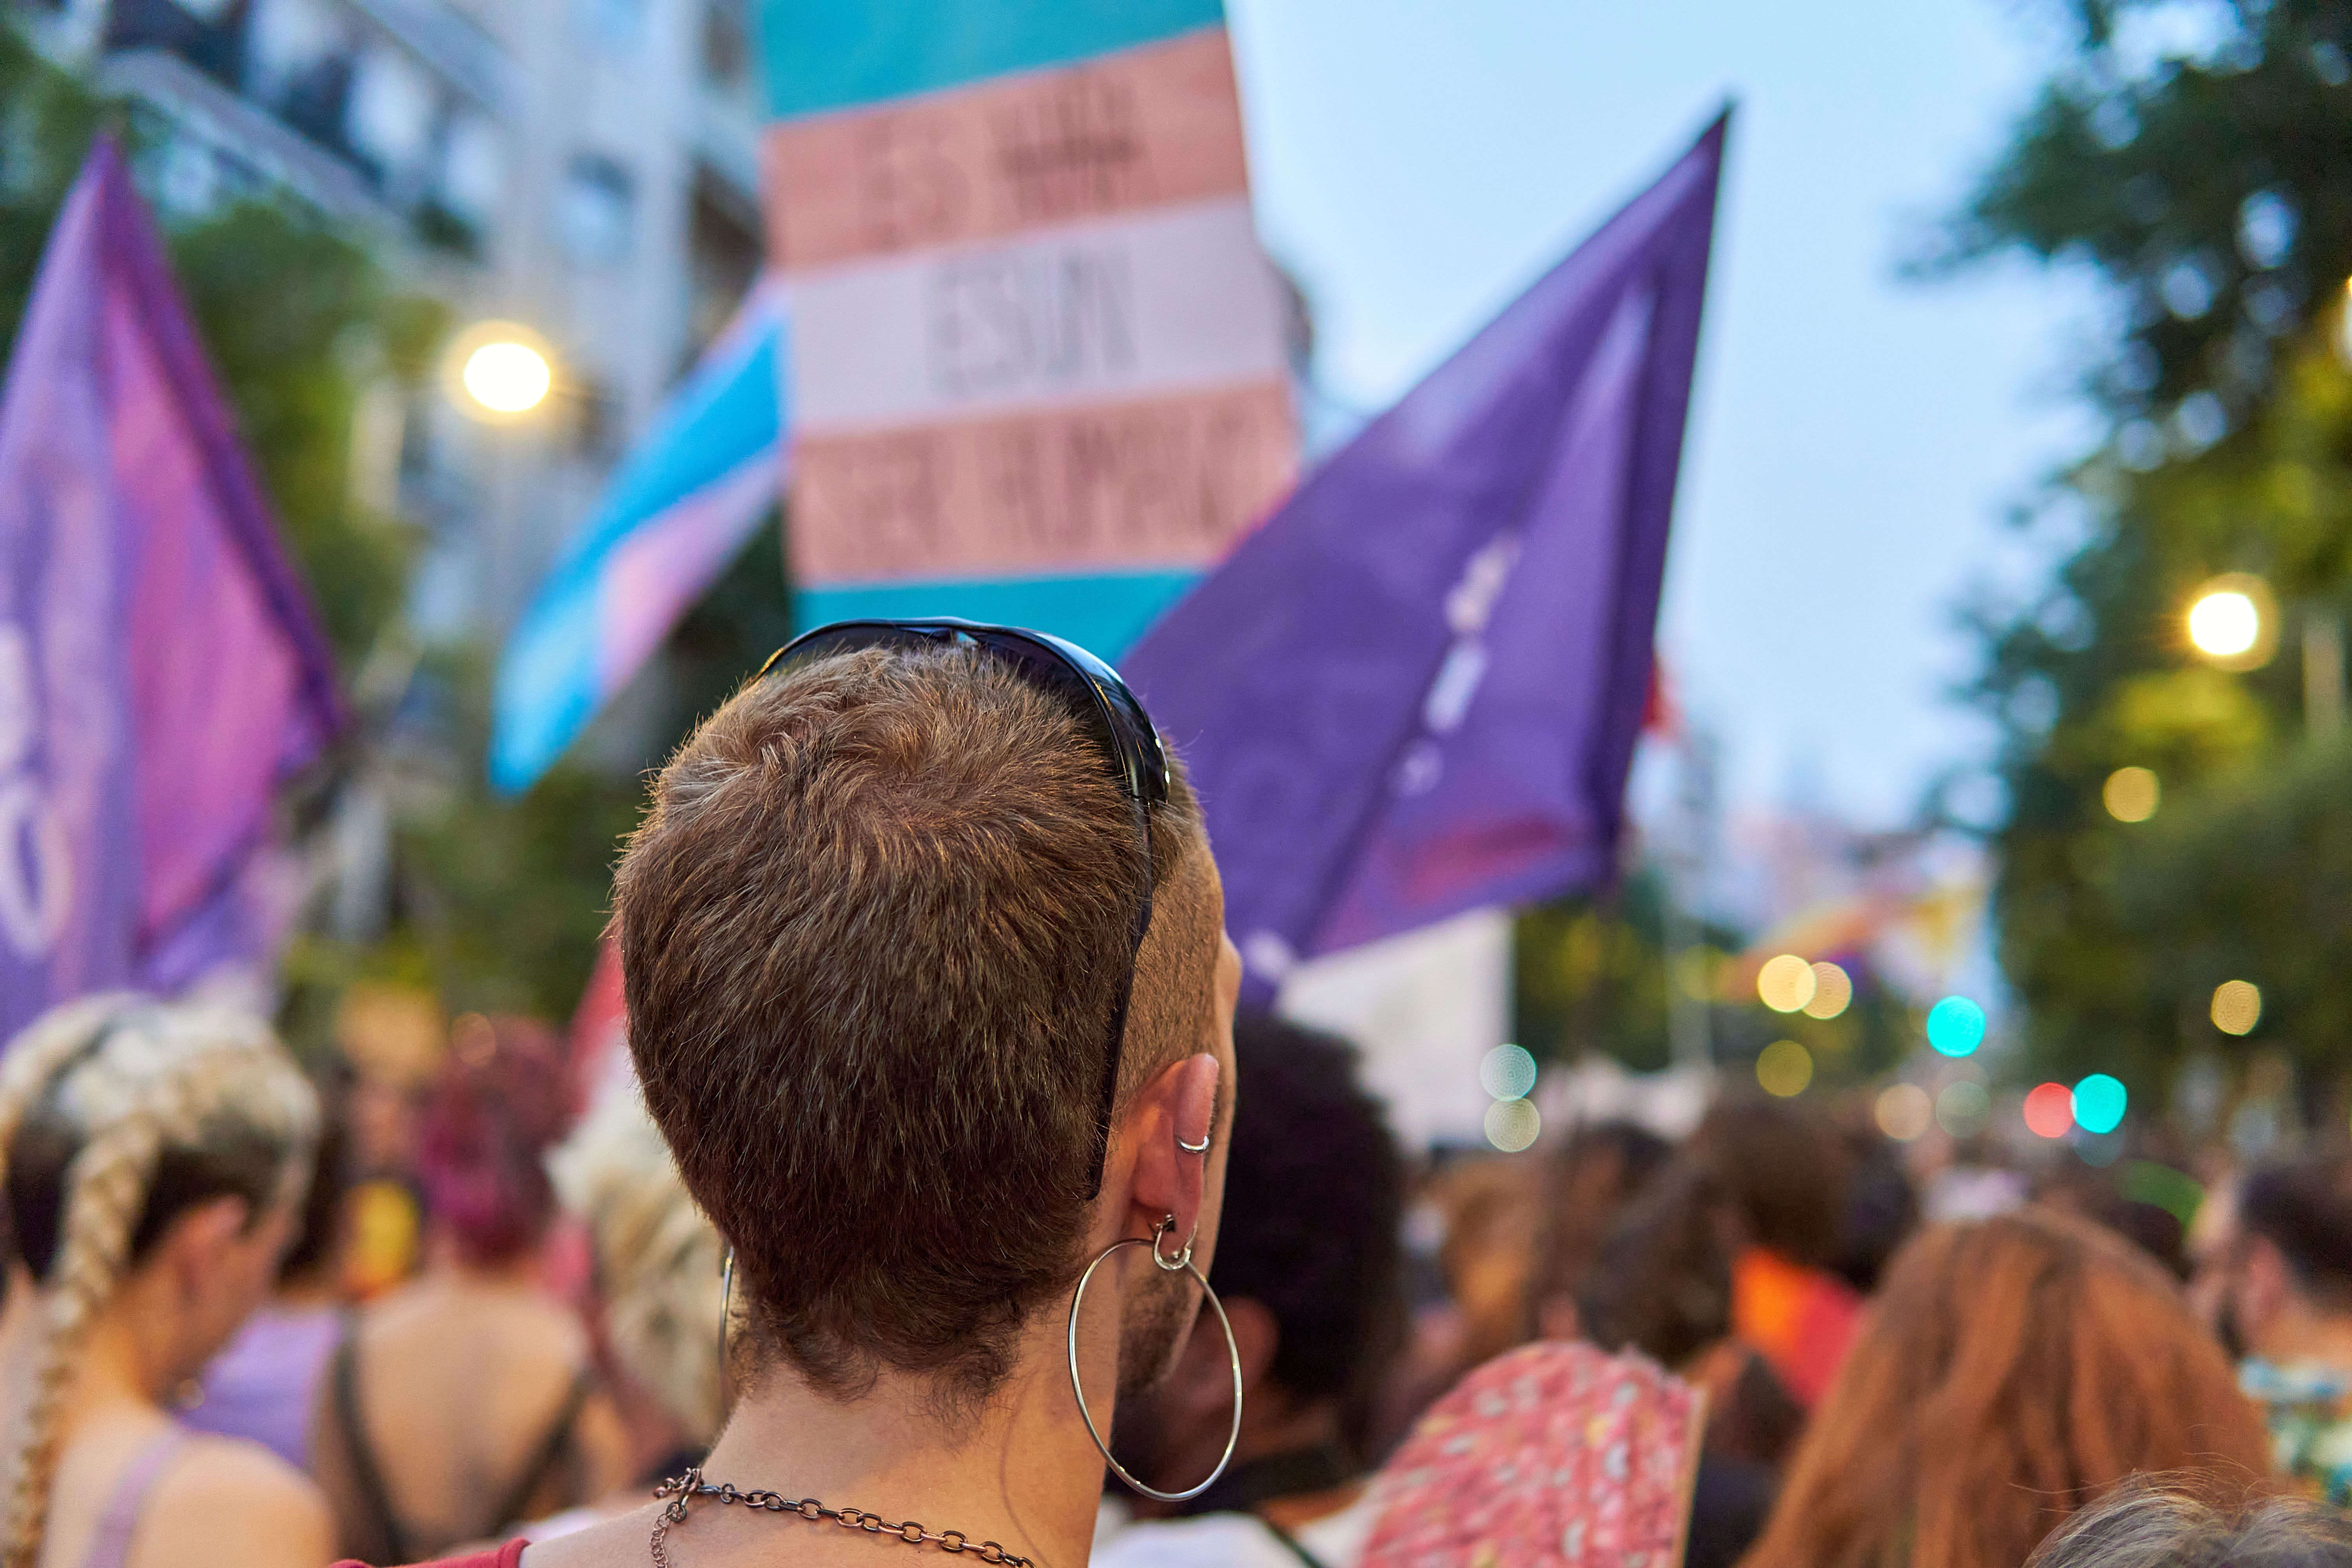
(2098, 1103)
(1904, 1112)
(2225, 623)
(1785, 984)
(1833, 991)
(1963, 1108)
(507, 376)
(1513, 1124)
(2237, 1007)
(2049, 1111)
(1956, 1027)
(1784, 1067)
(1507, 1073)
(2132, 794)
(2233, 621)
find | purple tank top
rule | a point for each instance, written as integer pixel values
(265, 1386)
(110, 1543)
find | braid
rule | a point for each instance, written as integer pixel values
(163, 1077)
(35, 1055)
(108, 1182)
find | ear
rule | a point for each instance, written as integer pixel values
(194, 1243)
(1177, 1106)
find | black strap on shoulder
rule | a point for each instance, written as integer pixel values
(366, 1474)
(549, 1452)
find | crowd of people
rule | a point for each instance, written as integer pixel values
(948, 1176)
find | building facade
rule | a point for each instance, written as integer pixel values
(585, 168)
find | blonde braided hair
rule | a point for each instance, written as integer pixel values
(134, 1080)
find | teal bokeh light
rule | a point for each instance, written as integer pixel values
(2100, 1103)
(1956, 1027)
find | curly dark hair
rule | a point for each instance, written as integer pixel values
(1314, 1192)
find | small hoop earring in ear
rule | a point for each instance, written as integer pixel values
(1182, 1263)
(1200, 1147)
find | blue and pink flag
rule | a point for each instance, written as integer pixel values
(676, 512)
(1039, 368)
(161, 673)
(1416, 690)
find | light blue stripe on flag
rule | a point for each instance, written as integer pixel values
(671, 519)
(839, 53)
(1101, 612)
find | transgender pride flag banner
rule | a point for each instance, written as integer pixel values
(676, 512)
(1037, 371)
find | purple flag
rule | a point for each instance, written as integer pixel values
(1416, 690)
(159, 670)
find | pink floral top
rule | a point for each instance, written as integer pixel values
(1554, 1454)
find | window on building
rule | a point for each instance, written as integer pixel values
(392, 108)
(726, 45)
(597, 210)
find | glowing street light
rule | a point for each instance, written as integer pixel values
(500, 370)
(2233, 621)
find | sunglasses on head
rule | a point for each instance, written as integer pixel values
(1089, 689)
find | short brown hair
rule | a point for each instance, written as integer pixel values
(2012, 1371)
(874, 933)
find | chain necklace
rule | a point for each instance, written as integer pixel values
(691, 1485)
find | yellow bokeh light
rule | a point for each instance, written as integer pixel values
(1513, 1124)
(1904, 1112)
(2237, 1007)
(2233, 621)
(1833, 991)
(506, 377)
(1784, 1067)
(2131, 795)
(1786, 983)
(2224, 625)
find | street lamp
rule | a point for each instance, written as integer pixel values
(500, 371)
(2233, 621)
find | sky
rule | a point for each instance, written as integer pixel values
(1857, 437)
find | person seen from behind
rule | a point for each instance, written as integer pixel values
(2011, 1371)
(2153, 1525)
(1307, 1267)
(1596, 1172)
(266, 1384)
(930, 996)
(655, 1297)
(156, 1157)
(1786, 1173)
(466, 1400)
(2285, 1289)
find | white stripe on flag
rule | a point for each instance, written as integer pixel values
(1178, 298)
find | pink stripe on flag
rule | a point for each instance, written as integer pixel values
(1162, 481)
(663, 565)
(1147, 127)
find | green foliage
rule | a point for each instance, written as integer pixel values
(1595, 975)
(2215, 195)
(494, 904)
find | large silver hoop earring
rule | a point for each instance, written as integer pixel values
(726, 1310)
(1181, 1263)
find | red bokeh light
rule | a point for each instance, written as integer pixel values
(2049, 1111)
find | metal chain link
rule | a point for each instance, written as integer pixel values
(691, 1485)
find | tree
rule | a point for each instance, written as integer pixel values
(492, 903)
(2208, 183)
